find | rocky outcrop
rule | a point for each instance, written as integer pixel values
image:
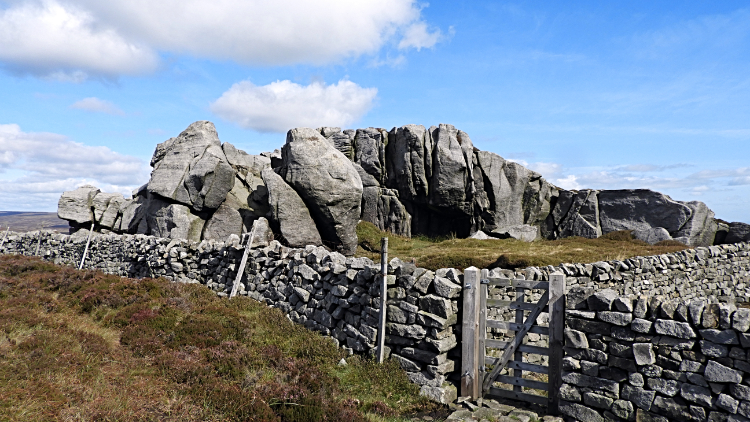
(409, 180)
(328, 184)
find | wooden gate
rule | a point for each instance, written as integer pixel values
(476, 381)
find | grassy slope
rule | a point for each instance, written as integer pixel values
(81, 345)
(463, 253)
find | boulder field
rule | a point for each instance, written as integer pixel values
(409, 180)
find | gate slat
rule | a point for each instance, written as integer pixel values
(530, 367)
(504, 325)
(496, 303)
(506, 394)
(523, 284)
(499, 344)
(539, 385)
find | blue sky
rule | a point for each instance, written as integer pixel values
(602, 95)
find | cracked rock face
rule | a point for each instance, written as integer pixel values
(192, 169)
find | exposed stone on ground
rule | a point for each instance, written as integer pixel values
(523, 232)
(652, 235)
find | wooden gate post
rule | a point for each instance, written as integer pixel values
(556, 329)
(470, 377)
(383, 297)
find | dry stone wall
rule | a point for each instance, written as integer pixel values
(651, 360)
(675, 308)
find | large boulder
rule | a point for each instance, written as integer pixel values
(173, 221)
(409, 162)
(192, 169)
(653, 235)
(249, 195)
(342, 141)
(77, 206)
(523, 232)
(226, 220)
(328, 184)
(700, 229)
(738, 232)
(382, 208)
(107, 210)
(369, 152)
(515, 194)
(576, 214)
(452, 183)
(288, 213)
(133, 213)
(635, 209)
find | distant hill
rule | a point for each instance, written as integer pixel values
(21, 221)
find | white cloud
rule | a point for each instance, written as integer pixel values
(68, 43)
(35, 168)
(418, 36)
(283, 105)
(569, 182)
(74, 39)
(96, 105)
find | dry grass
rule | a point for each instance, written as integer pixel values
(84, 346)
(508, 253)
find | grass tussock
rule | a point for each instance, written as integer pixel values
(81, 345)
(507, 253)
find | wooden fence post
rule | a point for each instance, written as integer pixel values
(470, 334)
(556, 330)
(383, 297)
(243, 262)
(86, 250)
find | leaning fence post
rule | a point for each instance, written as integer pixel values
(383, 298)
(241, 270)
(86, 250)
(470, 334)
(556, 331)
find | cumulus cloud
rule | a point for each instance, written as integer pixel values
(68, 43)
(418, 36)
(35, 168)
(74, 39)
(96, 105)
(283, 105)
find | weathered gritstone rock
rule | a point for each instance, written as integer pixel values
(289, 215)
(328, 183)
(75, 206)
(192, 168)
